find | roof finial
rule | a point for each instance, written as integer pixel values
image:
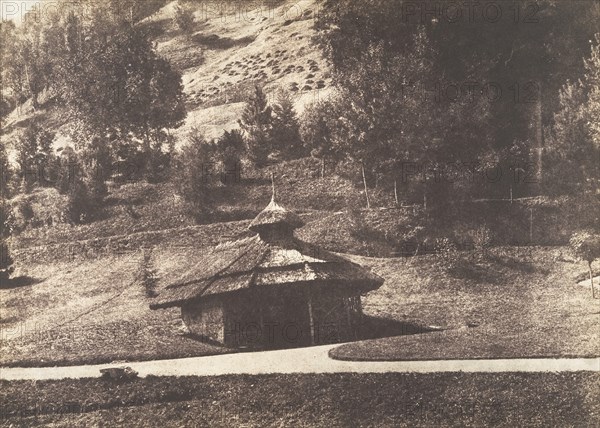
(273, 186)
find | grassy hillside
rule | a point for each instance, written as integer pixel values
(231, 47)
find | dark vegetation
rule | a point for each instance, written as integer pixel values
(390, 136)
(335, 400)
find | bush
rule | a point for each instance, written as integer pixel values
(586, 246)
(5, 173)
(193, 171)
(317, 128)
(6, 220)
(80, 204)
(230, 148)
(6, 262)
(481, 238)
(146, 274)
(22, 212)
(184, 18)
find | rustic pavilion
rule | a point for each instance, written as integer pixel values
(271, 290)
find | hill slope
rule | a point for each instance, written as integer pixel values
(231, 47)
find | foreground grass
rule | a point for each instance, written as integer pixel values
(340, 400)
(521, 302)
(91, 311)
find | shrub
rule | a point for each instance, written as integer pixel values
(184, 18)
(230, 148)
(6, 220)
(6, 262)
(159, 161)
(193, 169)
(586, 246)
(481, 238)
(445, 249)
(146, 274)
(22, 211)
(80, 204)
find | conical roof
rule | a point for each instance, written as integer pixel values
(274, 215)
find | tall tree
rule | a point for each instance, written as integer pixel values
(231, 148)
(286, 128)
(257, 124)
(317, 128)
(574, 144)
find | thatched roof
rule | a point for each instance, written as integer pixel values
(252, 263)
(275, 215)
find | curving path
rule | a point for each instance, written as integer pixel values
(302, 360)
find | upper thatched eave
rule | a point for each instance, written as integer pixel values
(275, 215)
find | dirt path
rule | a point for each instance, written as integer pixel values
(301, 360)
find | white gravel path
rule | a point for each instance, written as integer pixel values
(303, 360)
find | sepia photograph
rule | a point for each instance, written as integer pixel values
(300, 213)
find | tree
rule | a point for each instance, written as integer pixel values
(586, 246)
(193, 169)
(5, 173)
(317, 128)
(6, 261)
(119, 94)
(569, 152)
(506, 52)
(230, 148)
(34, 155)
(574, 145)
(69, 168)
(286, 129)
(123, 86)
(592, 81)
(257, 125)
(80, 205)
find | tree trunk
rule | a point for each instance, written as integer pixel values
(592, 280)
(396, 191)
(365, 184)
(322, 167)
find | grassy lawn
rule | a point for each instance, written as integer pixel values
(91, 311)
(341, 400)
(522, 302)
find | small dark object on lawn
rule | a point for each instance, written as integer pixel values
(119, 373)
(472, 324)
